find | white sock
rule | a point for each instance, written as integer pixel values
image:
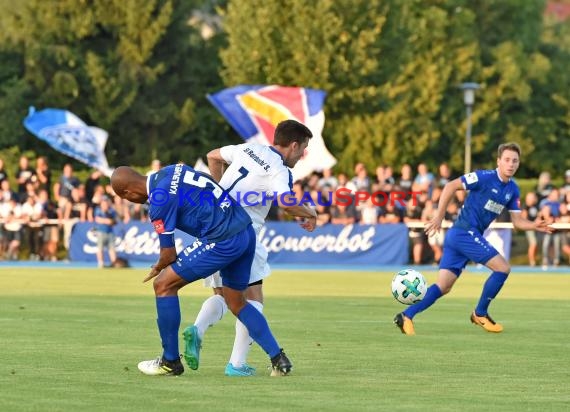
(213, 309)
(242, 342)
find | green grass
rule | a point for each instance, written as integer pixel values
(70, 340)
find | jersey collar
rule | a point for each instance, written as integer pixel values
(499, 177)
(277, 151)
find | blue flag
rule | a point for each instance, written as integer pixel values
(255, 111)
(68, 134)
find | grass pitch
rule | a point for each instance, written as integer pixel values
(71, 339)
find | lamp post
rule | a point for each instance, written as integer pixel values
(468, 98)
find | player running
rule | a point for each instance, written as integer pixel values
(490, 191)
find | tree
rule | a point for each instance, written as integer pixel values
(129, 67)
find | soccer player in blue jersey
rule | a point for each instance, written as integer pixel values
(185, 199)
(490, 191)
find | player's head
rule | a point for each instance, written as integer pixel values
(291, 138)
(129, 184)
(508, 159)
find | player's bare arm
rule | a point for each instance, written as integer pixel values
(166, 257)
(216, 164)
(540, 224)
(303, 211)
(434, 225)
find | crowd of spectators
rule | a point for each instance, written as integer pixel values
(37, 214)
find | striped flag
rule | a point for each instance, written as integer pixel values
(255, 111)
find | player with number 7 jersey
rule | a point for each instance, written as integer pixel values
(255, 176)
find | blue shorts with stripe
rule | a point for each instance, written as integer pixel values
(232, 257)
(461, 246)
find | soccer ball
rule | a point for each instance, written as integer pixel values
(409, 286)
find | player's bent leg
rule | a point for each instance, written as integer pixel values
(445, 281)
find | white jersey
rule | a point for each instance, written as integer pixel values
(255, 175)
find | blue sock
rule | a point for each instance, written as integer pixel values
(258, 329)
(491, 289)
(433, 293)
(168, 311)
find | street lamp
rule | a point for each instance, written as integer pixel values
(468, 98)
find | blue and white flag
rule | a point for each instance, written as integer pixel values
(68, 134)
(255, 111)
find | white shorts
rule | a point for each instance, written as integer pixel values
(259, 269)
(437, 238)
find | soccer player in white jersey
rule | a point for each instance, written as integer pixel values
(254, 175)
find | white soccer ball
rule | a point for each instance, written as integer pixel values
(409, 286)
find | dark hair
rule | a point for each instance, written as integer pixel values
(289, 131)
(509, 146)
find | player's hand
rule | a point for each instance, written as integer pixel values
(433, 226)
(309, 224)
(543, 225)
(154, 272)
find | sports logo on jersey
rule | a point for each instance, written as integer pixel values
(471, 178)
(255, 111)
(508, 196)
(158, 226)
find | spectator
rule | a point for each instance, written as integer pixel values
(51, 229)
(31, 214)
(6, 192)
(3, 172)
(444, 175)
(406, 180)
(530, 211)
(360, 179)
(423, 181)
(369, 213)
(105, 219)
(544, 186)
(155, 166)
(565, 189)
(391, 214)
(417, 236)
(62, 189)
(342, 211)
(24, 174)
(328, 182)
(13, 228)
(43, 174)
(91, 184)
(550, 209)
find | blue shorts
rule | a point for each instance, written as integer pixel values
(232, 257)
(461, 246)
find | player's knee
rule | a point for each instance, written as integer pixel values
(235, 305)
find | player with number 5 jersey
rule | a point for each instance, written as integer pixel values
(184, 199)
(255, 175)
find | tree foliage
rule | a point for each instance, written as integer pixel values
(135, 68)
(141, 70)
(392, 71)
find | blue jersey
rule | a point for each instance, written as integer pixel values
(185, 199)
(488, 197)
